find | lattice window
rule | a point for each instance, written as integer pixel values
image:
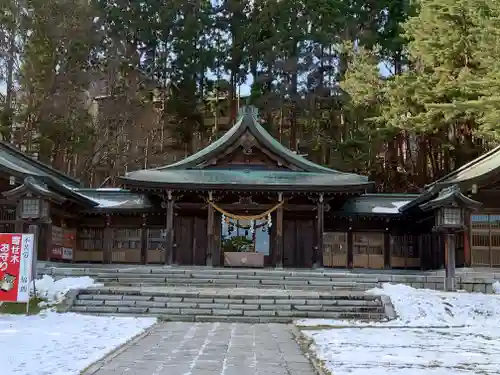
(156, 238)
(30, 207)
(371, 243)
(126, 238)
(7, 212)
(335, 242)
(485, 244)
(91, 239)
(404, 246)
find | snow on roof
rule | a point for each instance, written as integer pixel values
(390, 210)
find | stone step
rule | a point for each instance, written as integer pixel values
(236, 278)
(217, 315)
(245, 304)
(221, 309)
(306, 284)
(239, 293)
(206, 273)
(205, 276)
(227, 319)
(356, 287)
(211, 299)
(196, 304)
(317, 279)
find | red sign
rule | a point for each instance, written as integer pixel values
(63, 242)
(62, 253)
(16, 254)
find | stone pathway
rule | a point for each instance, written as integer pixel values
(211, 349)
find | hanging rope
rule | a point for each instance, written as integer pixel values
(237, 224)
(245, 217)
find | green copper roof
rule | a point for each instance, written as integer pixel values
(248, 122)
(377, 204)
(190, 170)
(486, 165)
(20, 165)
(450, 195)
(217, 178)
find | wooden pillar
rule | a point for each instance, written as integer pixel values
(108, 241)
(19, 225)
(450, 262)
(387, 249)
(467, 236)
(144, 240)
(320, 228)
(350, 255)
(47, 228)
(169, 228)
(210, 233)
(278, 261)
(444, 249)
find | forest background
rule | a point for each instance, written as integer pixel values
(403, 91)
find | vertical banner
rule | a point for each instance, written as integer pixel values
(16, 257)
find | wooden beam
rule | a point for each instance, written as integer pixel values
(169, 228)
(64, 214)
(278, 261)
(210, 233)
(233, 207)
(144, 240)
(320, 229)
(108, 241)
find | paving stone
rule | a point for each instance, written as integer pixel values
(211, 349)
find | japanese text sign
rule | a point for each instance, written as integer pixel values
(16, 257)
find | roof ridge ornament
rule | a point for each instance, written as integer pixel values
(450, 190)
(248, 110)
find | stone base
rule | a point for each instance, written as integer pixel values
(244, 259)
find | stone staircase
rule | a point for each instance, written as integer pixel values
(215, 294)
(225, 278)
(226, 304)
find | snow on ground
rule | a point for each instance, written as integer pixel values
(403, 351)
(436, 333)
(54, 290)
(61, 344)
(429, 308)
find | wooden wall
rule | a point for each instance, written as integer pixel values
(348, 242)
(484, 229)
(299, 240)
(190, 240)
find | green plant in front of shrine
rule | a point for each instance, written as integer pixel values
(237, 244)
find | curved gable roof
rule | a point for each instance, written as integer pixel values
(18, 163)
(248, 122)
(481, 167)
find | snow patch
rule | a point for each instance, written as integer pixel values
(429, 308)
(62, 344)
(390, 210)
(405, 351)
(496, 287)
(424, 307)
(435, 333)
(53, 291)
